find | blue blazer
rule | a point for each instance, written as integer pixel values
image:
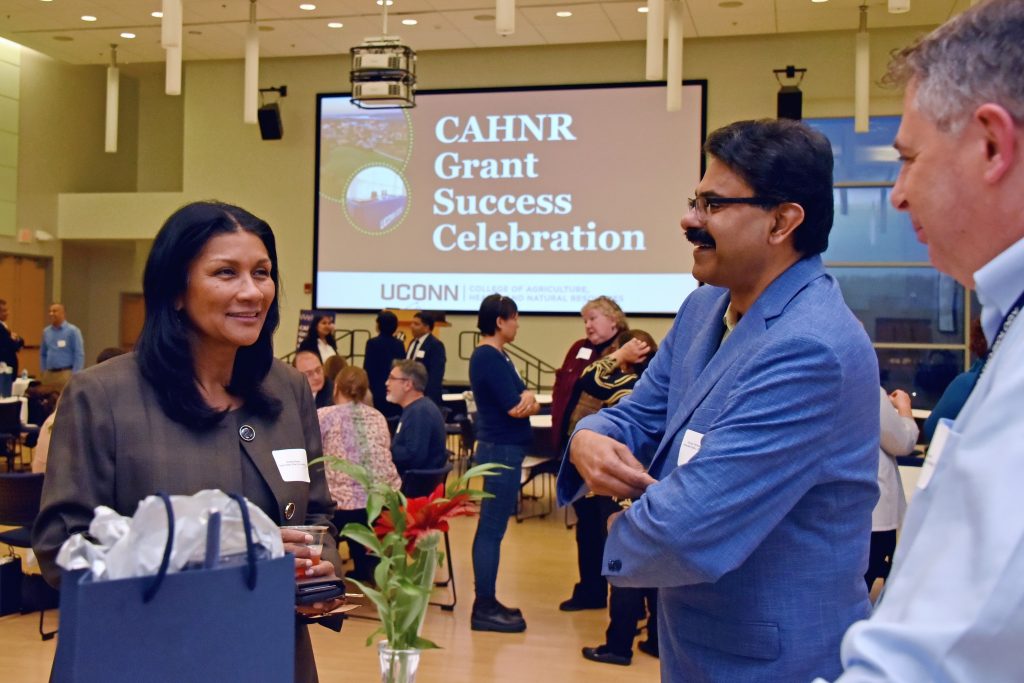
(759, 543)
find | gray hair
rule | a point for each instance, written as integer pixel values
(975, 58)
(415, 371)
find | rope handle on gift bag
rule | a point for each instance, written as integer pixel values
(250, 548)
(154, 585)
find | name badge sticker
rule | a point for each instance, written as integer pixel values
(689, 447)
(584, 353)
(292, 463)
(420, 353)
(61, 343)
(935, 450)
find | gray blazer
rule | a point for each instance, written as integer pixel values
(113, 445)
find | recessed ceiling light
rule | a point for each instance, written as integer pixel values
(88, 17)
(307, 6)
(335, 24)
(409, 22)
(642, 10)
(380, 3)
(563, 14)
(157, 15)
(818, 1)
(127, 35)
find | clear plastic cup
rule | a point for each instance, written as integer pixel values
(316, 546)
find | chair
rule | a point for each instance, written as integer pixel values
(417, 483)
(534, 468)
(20, 496)
(10, 431)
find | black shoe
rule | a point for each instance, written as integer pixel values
(513, 611)
(491, 616)
(575, 604)
(647, 647)
(602, 654)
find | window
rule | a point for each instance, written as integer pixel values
(917, 318)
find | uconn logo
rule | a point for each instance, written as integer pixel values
(419, 292)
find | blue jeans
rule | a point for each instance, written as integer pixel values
(494, 512)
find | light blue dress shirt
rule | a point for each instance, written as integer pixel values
(953, 609)
(69, 354)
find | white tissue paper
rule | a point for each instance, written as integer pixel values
(129, 547)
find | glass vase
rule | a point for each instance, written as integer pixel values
(398, 666)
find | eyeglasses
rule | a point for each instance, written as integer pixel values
(706, 205)
(397, 378)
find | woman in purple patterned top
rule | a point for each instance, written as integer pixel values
(358, 433)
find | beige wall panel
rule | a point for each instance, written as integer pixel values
(9, 115)
(161, 125)
(8, 184)
(9, 149)
(115, 215)
(9, 76)
(8, 212)
(10, 52)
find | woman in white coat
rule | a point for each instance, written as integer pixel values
(898, 437)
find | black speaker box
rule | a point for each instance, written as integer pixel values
(270, 122)
(790, 103)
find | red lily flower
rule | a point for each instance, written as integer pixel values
(425, 515)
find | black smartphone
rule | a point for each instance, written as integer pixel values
(313, 590)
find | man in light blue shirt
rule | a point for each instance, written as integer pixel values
(63, 351)
(953, 609)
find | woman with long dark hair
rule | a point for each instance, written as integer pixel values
(201, 404)
(503, 433)
(320, 338)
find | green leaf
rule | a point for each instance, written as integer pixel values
(370, 638)
(487, 469)
(424, 644)
(374, 504)
(362, 534)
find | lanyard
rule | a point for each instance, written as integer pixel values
(1003, 329)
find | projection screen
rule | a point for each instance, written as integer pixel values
(550, 195)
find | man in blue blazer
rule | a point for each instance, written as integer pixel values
(750, 445)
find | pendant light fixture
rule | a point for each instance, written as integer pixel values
(655, 40)
(862, 74)
(674, 74)
(251, 93)
(505, 17)
(113, 97)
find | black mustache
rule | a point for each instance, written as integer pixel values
(700, 237)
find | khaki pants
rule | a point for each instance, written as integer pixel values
(56, 378)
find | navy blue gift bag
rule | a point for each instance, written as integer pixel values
(218, 624)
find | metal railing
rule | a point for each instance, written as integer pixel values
(533, 370)
(351, 345)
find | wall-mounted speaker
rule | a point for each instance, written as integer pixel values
(790, 103)
(269, 116)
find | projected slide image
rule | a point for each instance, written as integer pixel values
(376, 199)
(352, 138)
